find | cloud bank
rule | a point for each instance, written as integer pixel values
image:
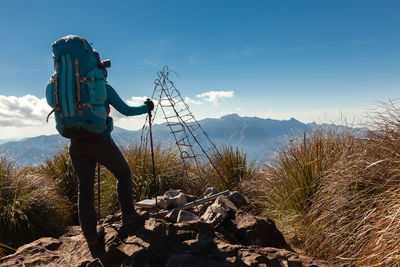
(188, 100)
(30, 112)
(215, 97)
(27, 110)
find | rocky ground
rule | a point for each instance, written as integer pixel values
(218, 233)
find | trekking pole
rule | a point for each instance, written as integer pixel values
(98, 190)
(152, 157)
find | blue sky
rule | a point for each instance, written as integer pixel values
(310, 60)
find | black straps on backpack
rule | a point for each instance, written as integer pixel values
(78, 88)
(57, 107)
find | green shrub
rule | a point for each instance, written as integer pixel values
(30, 207)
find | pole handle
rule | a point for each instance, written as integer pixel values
(148, 99)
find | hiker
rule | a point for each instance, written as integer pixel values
(82, 114)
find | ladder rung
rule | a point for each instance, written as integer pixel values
(166, 105)
(183, 110)
(181, 139)
(174, 124)
(176, 131)
(191, 118)
(184, 145)
(193, 127)
(179, 101)
(187, 115)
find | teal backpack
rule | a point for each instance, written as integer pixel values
(77, 89)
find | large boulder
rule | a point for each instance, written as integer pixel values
(172, 198)
(260, 231)
(218, 211)
(237, 199)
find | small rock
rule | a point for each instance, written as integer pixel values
(210, 191)
(172, 216)
(172, 198)
(251, 258)
(237, 199)
(185, 216)
(218, 211)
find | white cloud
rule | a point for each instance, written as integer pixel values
(215, 97)
(27, 110)
(188, 100)
(136, 100)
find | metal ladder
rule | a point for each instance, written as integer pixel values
(194, 145)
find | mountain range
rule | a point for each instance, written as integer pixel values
(258, 137)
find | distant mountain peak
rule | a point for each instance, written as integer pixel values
(293, 120)
(230, 116)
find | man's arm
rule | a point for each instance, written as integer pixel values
(115, 101)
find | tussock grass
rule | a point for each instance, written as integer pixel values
(59, 169)
(233, 169)
(293, 176)
(357, 211)
(337, 195)
(30, 207)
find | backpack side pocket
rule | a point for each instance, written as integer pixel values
(51, 93)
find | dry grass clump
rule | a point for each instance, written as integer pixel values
(233, 169)
(355, 217)
(59, 169)
(30, 205)
(337, 195)
(293, 176)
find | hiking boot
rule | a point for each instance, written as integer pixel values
(134, 219)
(97, 248)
